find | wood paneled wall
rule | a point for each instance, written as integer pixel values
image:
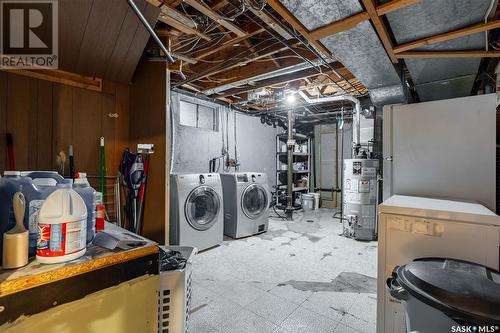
(103, 38)
(45, 118)
(149, 124)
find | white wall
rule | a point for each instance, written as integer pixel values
(194, 147)
(442, 149)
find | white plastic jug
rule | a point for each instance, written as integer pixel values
(62, 224)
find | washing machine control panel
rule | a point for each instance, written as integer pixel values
(208, 179)
(242, 178)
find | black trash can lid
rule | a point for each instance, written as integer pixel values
(464, 291)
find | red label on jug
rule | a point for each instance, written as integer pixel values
(61, 239)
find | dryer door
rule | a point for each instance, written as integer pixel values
(202, 207)
(254, 201)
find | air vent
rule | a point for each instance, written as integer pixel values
(164, 311)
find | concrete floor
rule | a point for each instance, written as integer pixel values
(300, 276)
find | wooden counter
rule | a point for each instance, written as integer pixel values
(36, 287)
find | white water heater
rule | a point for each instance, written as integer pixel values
(360, 198)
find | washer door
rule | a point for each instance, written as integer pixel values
(202, 207)
(254, 201)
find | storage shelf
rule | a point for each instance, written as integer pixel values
(294, 154)
(295, 171)
(301, 137)
(304, 160)
(295, 189)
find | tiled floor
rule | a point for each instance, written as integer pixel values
(300, 276)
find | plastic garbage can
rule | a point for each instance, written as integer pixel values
(446, 295)
(175, 292)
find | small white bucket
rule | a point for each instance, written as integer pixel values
(307, 202)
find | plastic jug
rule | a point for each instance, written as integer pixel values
(10, 183)
(36, 186)
(62, 223)
(82, 187)
(44, 178)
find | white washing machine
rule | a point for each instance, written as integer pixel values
(246, 203)
(196, 210)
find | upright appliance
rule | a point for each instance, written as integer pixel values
(360, 198)
(442, 149)
(196, 210)
(415, 227)
(246, 203)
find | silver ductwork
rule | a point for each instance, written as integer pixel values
(358, 49)
(442, 78)
(388, 95)
(268, 75)
(342, 98)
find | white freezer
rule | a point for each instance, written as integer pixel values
(415, 227)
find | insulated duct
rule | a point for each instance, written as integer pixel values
(359, 49)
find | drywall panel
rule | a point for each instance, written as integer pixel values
(442, 149)
(98, 312)
(194, 147)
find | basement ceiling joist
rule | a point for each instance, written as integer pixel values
(277, 80)
(352, 21)
(201, 7)
(448, 54)
(229, 45)
(448, 36)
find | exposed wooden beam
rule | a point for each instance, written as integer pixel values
(215, 17)
(156, 3)
(381, 29)
(168, 33)
(281, 79)
(181, 27)
(295, 23)
(271, 23)
(217, 6)
(228, 43)
(184, 58)
(352, 21)
(448, 54)
(269, 52)
(175, 3)
(448, 35)
(339, 26)
(178, 16)
(394, 5)
(254, 52)
(61, 77)
(204, 71)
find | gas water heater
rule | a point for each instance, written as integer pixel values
(360, 198)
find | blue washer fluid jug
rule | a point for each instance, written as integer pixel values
(82, 187)
(14, 181)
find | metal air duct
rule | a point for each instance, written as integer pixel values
(342, 98)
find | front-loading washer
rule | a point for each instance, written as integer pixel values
(196, 210)
(246, 203)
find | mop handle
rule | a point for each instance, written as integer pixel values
(102, 170)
